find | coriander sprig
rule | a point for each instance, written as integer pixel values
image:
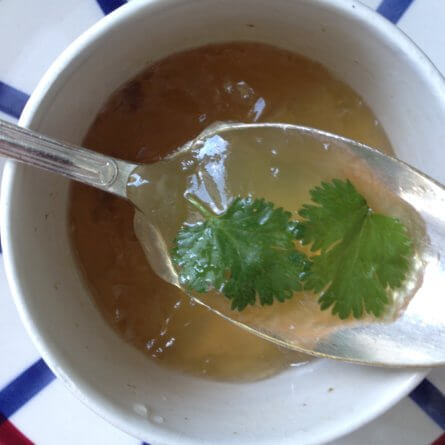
(250, 252)
(245, 253)
(362, 254)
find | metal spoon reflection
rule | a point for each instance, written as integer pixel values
(414, 336)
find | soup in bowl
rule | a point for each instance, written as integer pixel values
(347, 49)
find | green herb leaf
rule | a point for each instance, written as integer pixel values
(245, 253)
(362, 254)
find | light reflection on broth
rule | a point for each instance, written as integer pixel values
(167, 105)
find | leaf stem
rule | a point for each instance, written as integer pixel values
(202, 209)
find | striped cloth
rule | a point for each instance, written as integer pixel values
(34, 406)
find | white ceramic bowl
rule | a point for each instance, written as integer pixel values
(152, 403)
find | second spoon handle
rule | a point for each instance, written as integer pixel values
(72, 161)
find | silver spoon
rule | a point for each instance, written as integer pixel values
(416, 337)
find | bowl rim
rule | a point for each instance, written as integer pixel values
(44, 92)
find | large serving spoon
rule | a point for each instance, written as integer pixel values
(230, 159)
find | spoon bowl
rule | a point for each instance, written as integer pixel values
(412, 333)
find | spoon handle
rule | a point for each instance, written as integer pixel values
(74, 162)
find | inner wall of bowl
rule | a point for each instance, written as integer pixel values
(111, 376)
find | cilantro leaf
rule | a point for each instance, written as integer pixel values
(362, 254)
(339, 210)
(245, 253)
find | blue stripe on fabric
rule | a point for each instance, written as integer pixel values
(108, 6)
(12, 101)
(394, 9)
(431, 401)
(23, 388)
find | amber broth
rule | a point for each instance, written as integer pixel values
(167, 105)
